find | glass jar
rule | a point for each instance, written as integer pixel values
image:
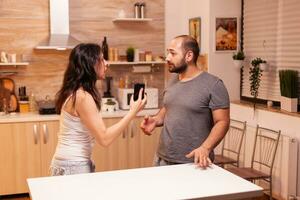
(148, 56)
(24, 106)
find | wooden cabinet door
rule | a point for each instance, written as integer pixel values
(8, 180)
(133, 144)
(27, 153)
(149, 147)
(19, 156)
(48, 133)
(113, 157)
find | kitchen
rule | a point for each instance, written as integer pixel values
(24, 27)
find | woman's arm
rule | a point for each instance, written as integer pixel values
(91, 118)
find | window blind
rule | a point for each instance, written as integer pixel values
(271, 32)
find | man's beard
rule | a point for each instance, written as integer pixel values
(179, 68)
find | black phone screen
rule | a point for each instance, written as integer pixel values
(137, 88)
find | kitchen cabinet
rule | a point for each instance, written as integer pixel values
(132, 149)
(26, 151)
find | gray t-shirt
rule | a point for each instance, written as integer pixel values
(188, 120)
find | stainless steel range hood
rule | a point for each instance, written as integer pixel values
(60, 38)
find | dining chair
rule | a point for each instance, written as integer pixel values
(263, 156)
(232, 143)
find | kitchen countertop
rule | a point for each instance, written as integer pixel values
(183, 181)
(32, 117)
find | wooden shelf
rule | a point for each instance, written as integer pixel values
(138, 63)
(14, 64)
(132, 19)
(7, 73)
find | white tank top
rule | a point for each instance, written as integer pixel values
(75, 142)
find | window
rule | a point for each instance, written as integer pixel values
(271, 32)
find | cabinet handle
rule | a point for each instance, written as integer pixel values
(124, 134)
(35, 133)
(131, 129)
(46, 133)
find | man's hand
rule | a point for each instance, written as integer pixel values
(148, 125)
(201, 157)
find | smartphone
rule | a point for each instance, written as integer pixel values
(137, 88)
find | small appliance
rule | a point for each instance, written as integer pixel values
(124, 96)
(108, 102)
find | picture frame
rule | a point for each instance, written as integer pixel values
(226, 34)
(195, 29)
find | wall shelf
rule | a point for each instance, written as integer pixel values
(14, 64)
(132, 19)
(7, 73)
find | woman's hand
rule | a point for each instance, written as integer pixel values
(139, 104)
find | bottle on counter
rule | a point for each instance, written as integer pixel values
(105, 49)
(32, 103)
(111, 54)
(121, 82)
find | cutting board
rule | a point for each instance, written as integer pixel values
(7, 88)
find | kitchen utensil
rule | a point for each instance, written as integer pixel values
(107, 94)
(46, 106)
(13, 103)
(8, 84)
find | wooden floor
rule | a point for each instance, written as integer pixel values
(26, 197)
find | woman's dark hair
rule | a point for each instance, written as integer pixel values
(80, 73)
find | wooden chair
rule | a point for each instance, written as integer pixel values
(264, 152)
(232, 144)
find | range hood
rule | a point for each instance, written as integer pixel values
(59, 38)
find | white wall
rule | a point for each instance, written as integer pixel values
(220, 64)
(178, 13)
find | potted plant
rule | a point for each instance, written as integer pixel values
(254, 78)
(130, 54)
(238, 59)
(289, 90)
(263, 65)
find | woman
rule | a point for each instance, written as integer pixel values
(78, 102)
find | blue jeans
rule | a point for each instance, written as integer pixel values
(59, 167)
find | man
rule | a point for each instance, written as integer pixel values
(195, 112)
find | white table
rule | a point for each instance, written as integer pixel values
(168, 182)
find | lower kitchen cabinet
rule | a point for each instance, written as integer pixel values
(26, 151)
(132, 149)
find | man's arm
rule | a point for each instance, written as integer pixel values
(221, 124)
(149, 123)
(160, 116)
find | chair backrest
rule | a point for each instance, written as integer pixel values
(233, 140)
(265, 147)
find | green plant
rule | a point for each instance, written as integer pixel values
(288, 83)
(257, 61)
(238, 55)
(130, 54)
(255, 77)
